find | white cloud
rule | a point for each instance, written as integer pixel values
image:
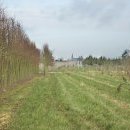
(77, 13)
(88, 25)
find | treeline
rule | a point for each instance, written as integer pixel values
(90, 60)
(19, 57)
(123, 60)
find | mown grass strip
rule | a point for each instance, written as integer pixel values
(92, 99)
(111, 103)
(110, 90)
(46, 108)
(68, 101)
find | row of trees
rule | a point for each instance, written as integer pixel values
(121, 64)
(123, 60)
(19, 57)
(90, 60)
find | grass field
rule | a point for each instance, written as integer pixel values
(72, 100)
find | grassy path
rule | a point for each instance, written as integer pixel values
(71, 101)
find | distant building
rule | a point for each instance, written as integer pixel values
(73, 62)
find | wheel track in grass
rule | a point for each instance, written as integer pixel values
(120, 120)
(95, 97)
(68, 108)
(119, 103)
(75, 106)
(62, 101)
(50, 106)
(108, 79)
(67, 94)
(125, 103)
(97, 81)
(93, 79)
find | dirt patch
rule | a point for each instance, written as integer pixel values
(4, 120)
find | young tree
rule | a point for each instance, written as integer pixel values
(47, 58)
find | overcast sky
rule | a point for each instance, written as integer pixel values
(82, 27)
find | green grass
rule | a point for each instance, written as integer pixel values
(73, 100)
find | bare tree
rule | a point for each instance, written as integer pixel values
(19, 57)
(47, 57)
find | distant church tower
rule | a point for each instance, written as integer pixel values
(72, 57)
